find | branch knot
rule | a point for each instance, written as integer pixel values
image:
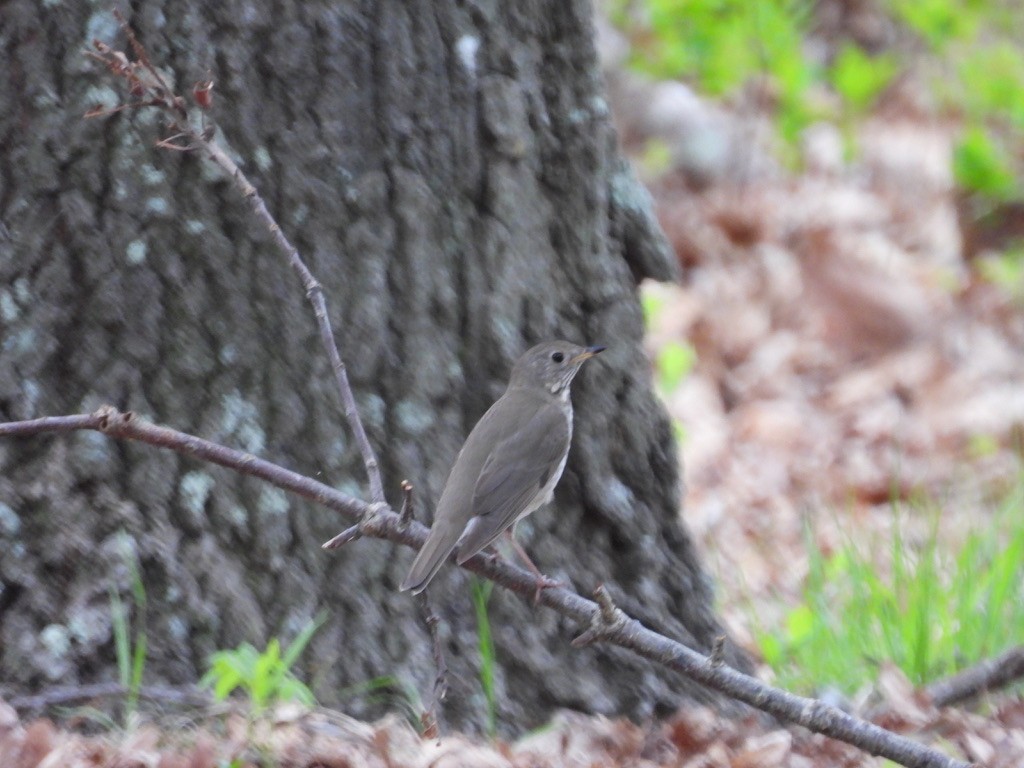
(110, 419)
(368, 525)
(605, 621)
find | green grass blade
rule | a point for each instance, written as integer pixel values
(481, 591)
(298, 645)
(122, 651)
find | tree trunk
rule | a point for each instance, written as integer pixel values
(449, 172)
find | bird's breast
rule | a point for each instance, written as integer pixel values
(547, 489)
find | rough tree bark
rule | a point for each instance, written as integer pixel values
(449, 172)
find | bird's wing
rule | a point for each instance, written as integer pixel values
(514, 472)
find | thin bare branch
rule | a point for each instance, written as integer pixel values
(148, 88)
(163, 87)
(607, 622)
(127, 425)
(315, 294)
(53, 697)
(985, 676)
(440, 690)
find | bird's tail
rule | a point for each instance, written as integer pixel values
(430, 559)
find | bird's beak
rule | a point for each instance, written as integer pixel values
(588, 353)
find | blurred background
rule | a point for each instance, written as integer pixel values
(844, 359)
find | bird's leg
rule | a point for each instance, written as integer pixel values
(543, 582)
(491, 553)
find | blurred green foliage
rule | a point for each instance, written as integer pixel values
(656, 158)
(723, 44)
(929, 609)
(992, 81)
(130, 647)
(675, 361)
(969, 50)
(939, 22)
(1006, 270)
(980, 164)
(652, 305)
(481, 593)
(264, 677)
(859, 78)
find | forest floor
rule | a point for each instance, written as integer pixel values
(850, 352)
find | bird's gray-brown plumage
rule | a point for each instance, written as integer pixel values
(511, 461)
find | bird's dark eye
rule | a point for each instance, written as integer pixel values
(557, 357)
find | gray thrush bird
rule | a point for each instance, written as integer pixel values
(509, 464)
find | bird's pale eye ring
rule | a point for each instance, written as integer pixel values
(558, 357)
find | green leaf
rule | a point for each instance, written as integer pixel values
(675, 361)
(119, 619)
(980, 165)
(301, 640)
(799, 624)
(771, 649)
(652, 305)
(265, 674)
(481, 593)
(994, 78)
(940, 22)
(225, 685)
(859, 78)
